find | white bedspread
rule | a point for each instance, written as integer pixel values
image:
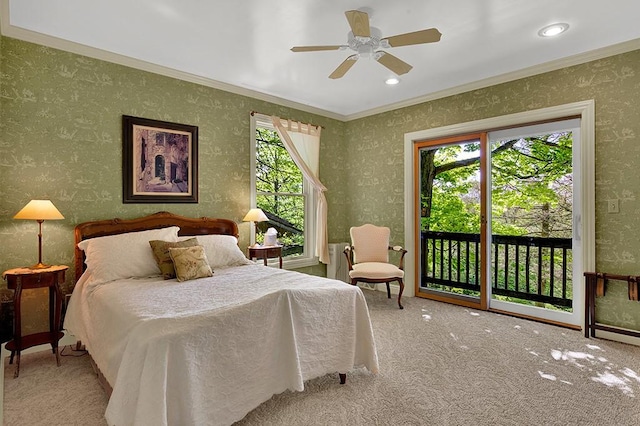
(208, 351)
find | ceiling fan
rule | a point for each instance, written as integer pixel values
(364, 40)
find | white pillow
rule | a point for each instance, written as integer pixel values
(124, 255)
(222, 251)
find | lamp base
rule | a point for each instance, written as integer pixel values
(39, 265)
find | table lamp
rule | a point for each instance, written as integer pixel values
(255, 216)
(39, 210)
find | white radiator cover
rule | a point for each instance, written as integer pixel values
(338, 269)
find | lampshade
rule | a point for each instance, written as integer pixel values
(255, 215)
(39, 210)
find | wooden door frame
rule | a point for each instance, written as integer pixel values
(417, 212)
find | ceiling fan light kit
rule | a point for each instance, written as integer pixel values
(365, 40)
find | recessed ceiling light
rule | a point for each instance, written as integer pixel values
(391, 81)
(553, 30)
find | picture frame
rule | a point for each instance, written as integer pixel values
(159, 161)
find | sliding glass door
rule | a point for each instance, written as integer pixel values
(533, 201)
(495, 220)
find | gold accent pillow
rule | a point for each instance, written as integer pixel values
(163, 259)
(190, 263)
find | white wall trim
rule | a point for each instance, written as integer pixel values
(104, 55)
(409, 226)
(569, 61)
(57, 43)
(586, 227)
(617, 337)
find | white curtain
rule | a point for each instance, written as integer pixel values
(302, 141)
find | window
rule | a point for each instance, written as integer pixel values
(281, 191)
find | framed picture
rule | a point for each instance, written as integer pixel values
(159, 161)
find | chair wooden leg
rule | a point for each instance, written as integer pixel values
(400, 293)
(388, 291)
(354, 281)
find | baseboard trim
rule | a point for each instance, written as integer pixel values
(616, 337)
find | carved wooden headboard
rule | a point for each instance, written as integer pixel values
(188, 226)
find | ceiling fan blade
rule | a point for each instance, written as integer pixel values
(418, 37)
(344, 67)
(396, 65)
(359, 23)
(313, 48)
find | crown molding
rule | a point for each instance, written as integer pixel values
(38, 38)
(569, 61)
(95, 53)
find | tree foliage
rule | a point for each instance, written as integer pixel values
(531, 186)
(531, 195)
(279, 186)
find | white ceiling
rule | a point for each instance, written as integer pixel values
(243, 46)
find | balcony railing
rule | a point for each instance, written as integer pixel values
(528, 268)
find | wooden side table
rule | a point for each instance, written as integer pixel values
(25, 278)
(266, 252)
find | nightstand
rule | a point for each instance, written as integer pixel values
(266, 252)
(19, 279)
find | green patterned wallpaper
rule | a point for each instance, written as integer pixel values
(60, 138)
(375, 149)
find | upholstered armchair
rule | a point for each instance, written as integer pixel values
(368, 258)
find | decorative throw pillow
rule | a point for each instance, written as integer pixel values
(190, 263)
(222, 251)
(163, 258)
(124, 255)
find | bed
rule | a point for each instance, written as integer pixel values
(206, 350)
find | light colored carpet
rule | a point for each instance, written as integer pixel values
(44, 394)
(439, 365)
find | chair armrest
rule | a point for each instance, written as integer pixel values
(348, 253)
(401, 250)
